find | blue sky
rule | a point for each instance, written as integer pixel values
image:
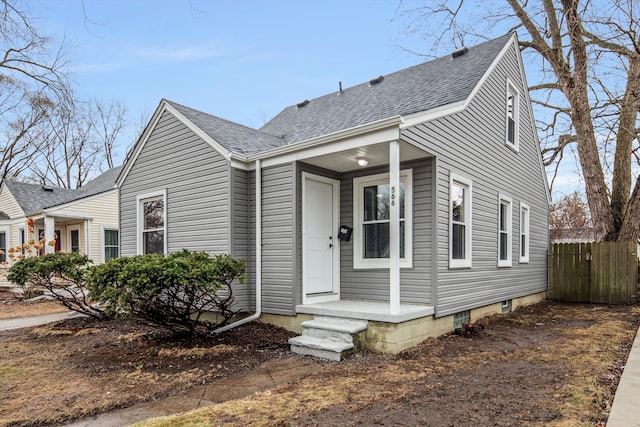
(243, 60)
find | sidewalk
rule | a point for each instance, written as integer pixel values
(26, 322)
(624, 410)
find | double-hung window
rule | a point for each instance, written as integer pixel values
(504, 231)
(372, 220)
(3, 246)
(460, 222)
(152, 210)
(513, 112)
(111, 244)
(524, 233)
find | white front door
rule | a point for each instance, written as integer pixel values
(320, 246)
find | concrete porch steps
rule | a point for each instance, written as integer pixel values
(328, 337)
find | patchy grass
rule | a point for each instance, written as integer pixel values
(79, 367)
(549, 364)
(552, 364)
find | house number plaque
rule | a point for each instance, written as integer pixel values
(393, 196)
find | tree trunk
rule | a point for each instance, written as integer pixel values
(575, 88)
(621, 185)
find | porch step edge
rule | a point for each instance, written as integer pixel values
(320, 344)
(316, 353)
(336, 324)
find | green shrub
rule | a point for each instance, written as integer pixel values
(62, 275)
(173, 291)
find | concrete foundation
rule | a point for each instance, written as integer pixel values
(393, 337)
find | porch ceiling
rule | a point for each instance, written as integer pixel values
(375, 154)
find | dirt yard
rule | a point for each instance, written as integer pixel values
(550, 364)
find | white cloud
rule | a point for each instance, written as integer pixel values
(177, 53)
(97, 68)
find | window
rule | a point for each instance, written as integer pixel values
(151, 225)
(74, 240)
(524, 233)
(3, 246)
(513, 112)
(372, 218)
(504, 232)
(23, 240)
(111, 245)
(460, 217)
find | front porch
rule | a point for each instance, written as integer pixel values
(366, 310)
(342, 327)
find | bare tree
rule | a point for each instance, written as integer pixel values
(32, 82)
(584, 56)
(81, 141)
(49, 135)
(570, 213)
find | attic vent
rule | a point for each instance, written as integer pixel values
(459, 52)
(376, 80)
(302, 104)
(45, 188)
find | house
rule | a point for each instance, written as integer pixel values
(83, 220)
(393, 210)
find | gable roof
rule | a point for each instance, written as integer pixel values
(423, 87)
(235, 137)
(35, 197)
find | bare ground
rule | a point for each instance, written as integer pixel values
(549, 364)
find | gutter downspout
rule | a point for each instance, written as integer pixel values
(258, 255)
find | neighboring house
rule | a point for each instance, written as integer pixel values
(83, 220)
(572, 235)
(451, 142)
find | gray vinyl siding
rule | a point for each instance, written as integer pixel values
(279, 295)
(471, 144)
(373, 284)
(239, 236)
(195, 178)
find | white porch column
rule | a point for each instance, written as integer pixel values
(394, 227)
(49, 234)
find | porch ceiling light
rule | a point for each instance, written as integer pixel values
(362, 161)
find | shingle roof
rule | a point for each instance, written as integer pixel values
(35, 197)
(419, 88)
(233, 136)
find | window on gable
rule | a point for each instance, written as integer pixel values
(504, 232)
(152, 228)
(512, 116)
(524, 233)
(372, 220)
(460, 227)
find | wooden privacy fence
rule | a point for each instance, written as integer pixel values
(605, 272)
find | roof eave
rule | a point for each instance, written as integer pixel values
(328, 138)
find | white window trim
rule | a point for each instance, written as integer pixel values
(406, 176)
(467, 261)
(524, 230)
(509, 202)
(103, 228)
(7, 241)
(140, 218)
(511, 88)
(75, 227)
